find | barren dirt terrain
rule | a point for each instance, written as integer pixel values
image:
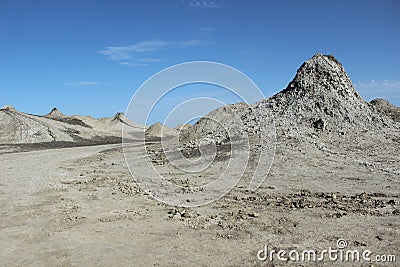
(68, 198)
(80, 206)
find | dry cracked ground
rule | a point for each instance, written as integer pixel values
(81, 207)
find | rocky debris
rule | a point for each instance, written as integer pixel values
(319, 124)
(195, 144)
(159, 130)
(192, 144)
(385, 108)
(365, 203)
(236, 212)
(181, 213)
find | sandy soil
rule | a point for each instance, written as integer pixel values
(80, 207)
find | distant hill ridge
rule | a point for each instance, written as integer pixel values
(19, 128)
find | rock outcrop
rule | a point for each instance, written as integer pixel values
(320, 98)
(385, 108)
(56, 114)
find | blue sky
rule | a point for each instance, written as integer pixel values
(89, 57)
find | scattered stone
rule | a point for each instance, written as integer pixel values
(254, 214)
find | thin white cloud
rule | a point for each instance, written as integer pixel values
(149, 60)
(201, 4)
(378, 84)
(128, 63)
(192, 43)
(389, 90)
(135, 54)
(125, 63)
(81, 83)
(125, 52)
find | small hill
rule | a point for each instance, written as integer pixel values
(385, 108)
(159, 130)
(322, 96)
(56, 114)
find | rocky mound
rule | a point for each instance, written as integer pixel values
(118, 120)
(221, 123)
(320, 98)
(55, 113)
(385, 108)
(159, 130)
